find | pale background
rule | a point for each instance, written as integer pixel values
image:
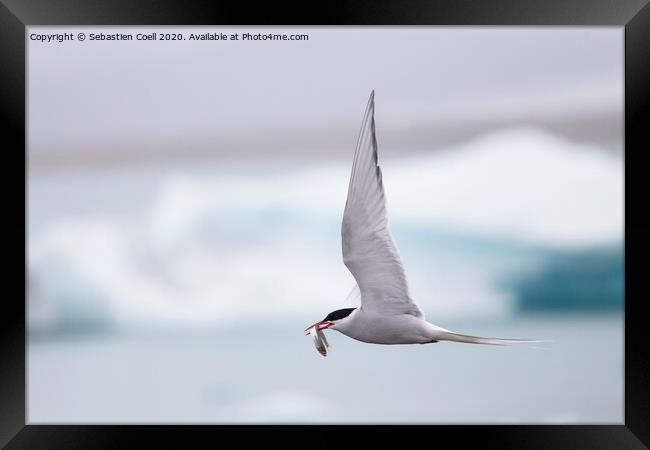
(184, 210)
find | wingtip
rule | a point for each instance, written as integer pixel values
(371, 100)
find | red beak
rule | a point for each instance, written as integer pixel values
(321, 326)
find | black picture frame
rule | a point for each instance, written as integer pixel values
(633, 15)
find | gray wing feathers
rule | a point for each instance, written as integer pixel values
(369, 251)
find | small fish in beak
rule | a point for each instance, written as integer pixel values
(316, 332)
(319, 340)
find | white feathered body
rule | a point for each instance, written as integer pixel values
(377, 328)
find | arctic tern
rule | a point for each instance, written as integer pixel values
(388, 314)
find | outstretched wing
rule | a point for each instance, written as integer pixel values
(369, 251)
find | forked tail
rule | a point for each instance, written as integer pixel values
(450, 336)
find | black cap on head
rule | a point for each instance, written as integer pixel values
(338, 314)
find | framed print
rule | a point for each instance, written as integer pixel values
(367, 216)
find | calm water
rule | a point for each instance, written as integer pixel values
(273, 374)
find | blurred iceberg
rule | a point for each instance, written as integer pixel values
(241, 244)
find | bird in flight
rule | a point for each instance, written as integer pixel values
(387, 315)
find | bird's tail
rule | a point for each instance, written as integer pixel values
(455, 337)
